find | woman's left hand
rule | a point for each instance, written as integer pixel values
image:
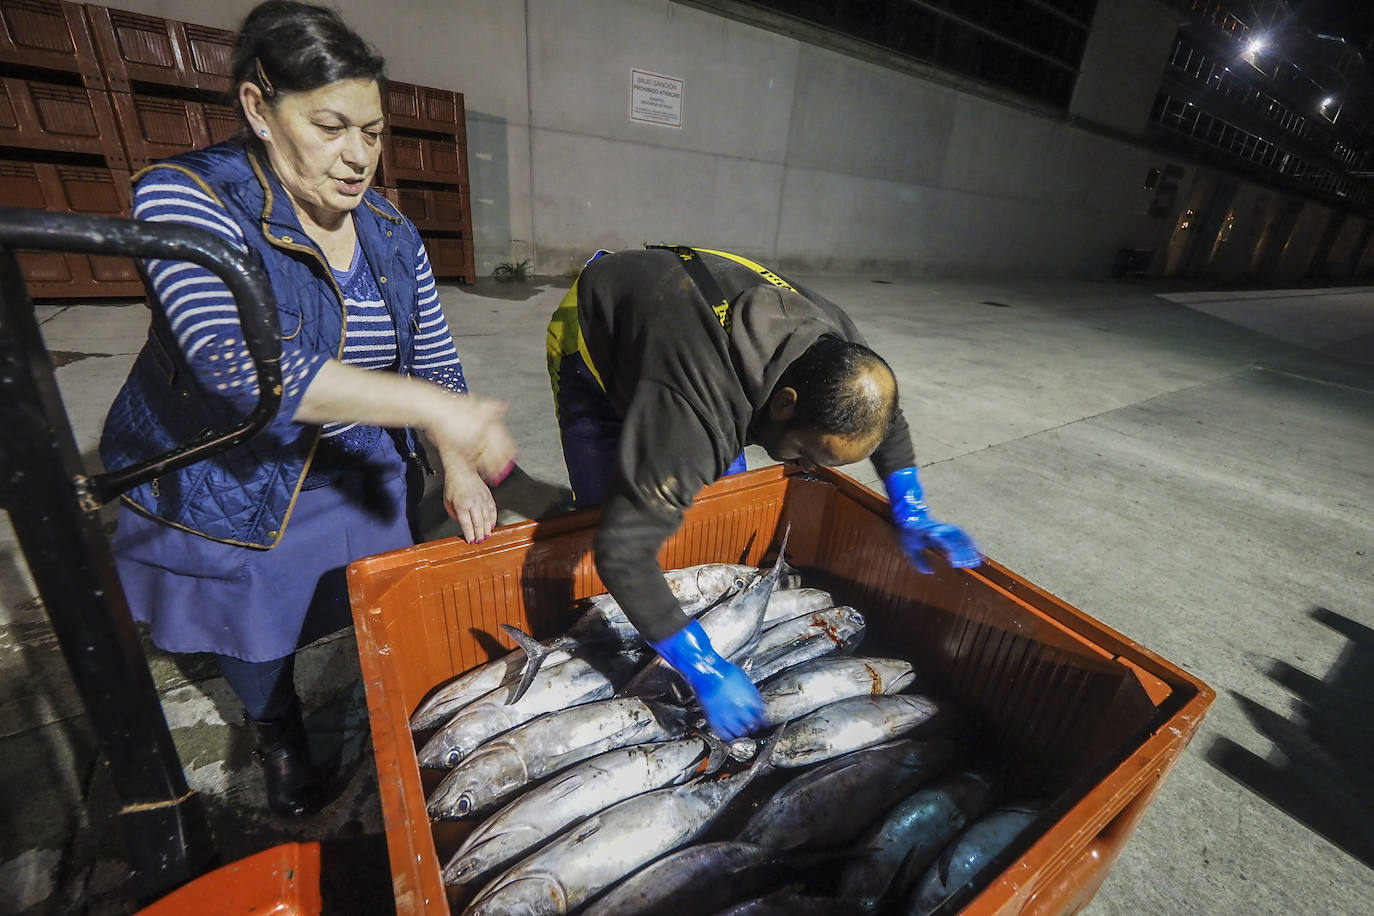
(469, 502)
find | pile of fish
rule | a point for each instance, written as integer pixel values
(595, 785)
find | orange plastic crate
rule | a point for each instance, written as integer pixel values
(283, 880)
(1094, 720)
(340, 876)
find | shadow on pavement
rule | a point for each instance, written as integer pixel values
(1321, 768)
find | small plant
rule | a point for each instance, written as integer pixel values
(507, 272)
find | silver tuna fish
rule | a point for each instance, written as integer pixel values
(709, 581)
(699, 880)
(576, 681)
(601, 627)
(818, 646)
(850, 725)
(787, 603)
(732, 626)
(964, 859)
(603, 622)
(842, 625)
(831, 804)
(504, 765)
(895, 852)
(806, 688)
(472, 685)
(606, 847)
(587, 788)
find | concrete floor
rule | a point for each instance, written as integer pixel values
(1195, 469)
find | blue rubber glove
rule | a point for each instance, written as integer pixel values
(729, 699)
(919, 532)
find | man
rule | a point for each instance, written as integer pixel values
(665, 363)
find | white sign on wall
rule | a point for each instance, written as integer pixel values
(655, 99)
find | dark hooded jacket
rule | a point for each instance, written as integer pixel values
(690, 389)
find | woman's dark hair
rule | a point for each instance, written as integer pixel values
(284, 46)
(830, 398)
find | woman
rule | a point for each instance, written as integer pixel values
(242, 555)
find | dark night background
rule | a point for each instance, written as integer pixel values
(1349, 19)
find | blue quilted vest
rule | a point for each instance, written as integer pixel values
(245, 495)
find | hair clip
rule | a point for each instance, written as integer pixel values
(262, 78)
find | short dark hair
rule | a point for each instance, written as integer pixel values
(829, 400)
(285, 46)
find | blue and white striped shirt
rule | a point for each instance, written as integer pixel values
(202, 315)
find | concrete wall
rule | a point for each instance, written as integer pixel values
(1341, 261)
(1296, 256)
(1122, 62)
(788, 151)
(805, 156)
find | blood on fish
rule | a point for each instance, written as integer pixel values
(875, 677)
(820, 623)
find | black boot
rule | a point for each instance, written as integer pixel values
(292, 787)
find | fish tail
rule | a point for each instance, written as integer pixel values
(535, 653)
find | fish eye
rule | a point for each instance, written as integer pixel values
(466, 804)
(452, 757)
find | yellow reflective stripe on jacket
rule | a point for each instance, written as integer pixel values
(565, 338)
(752, 265)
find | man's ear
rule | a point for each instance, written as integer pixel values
(782, 405)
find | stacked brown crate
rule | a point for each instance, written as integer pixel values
(59, 143)
(90, 94)
(168, 81)
(425, 172)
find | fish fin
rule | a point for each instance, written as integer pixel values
(763, 761)
(680, 693)
(719, 752)
(943, 866)
(671, 717)
(535, 653)
(748, 545)
(781, 567)
(570, 784)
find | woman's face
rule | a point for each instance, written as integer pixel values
(323, 144)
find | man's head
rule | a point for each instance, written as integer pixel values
(833, 405)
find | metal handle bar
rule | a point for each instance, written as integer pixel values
(40, 230)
